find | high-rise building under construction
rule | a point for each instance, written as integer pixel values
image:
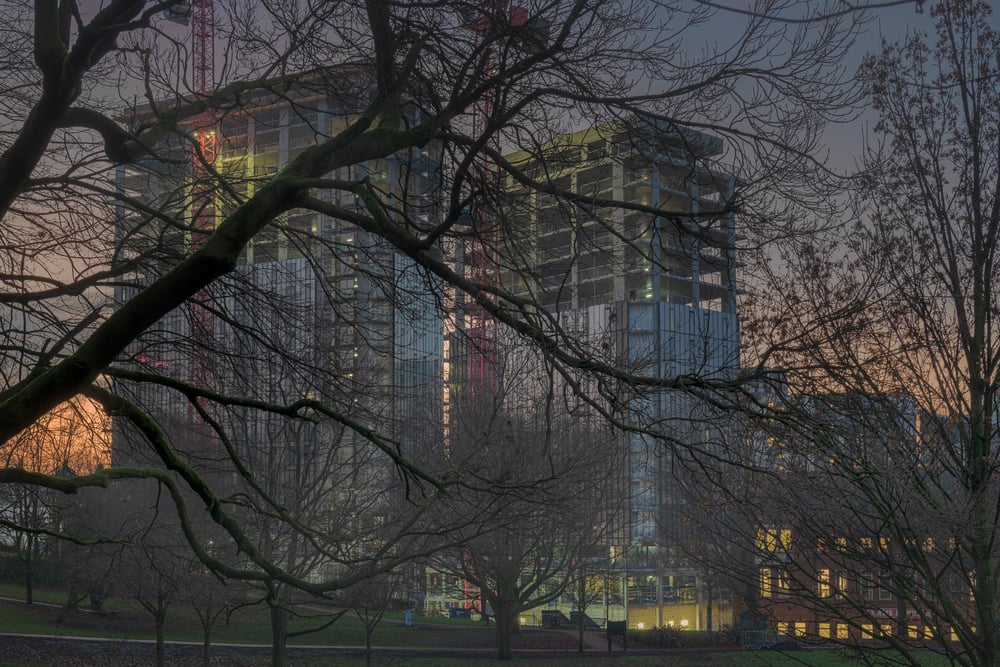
(632, 251)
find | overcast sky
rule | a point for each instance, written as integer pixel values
(844, 141)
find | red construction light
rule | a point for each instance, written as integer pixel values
(145, 361)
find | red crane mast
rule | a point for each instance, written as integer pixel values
(202, 198)
(481, 259)
(200, 14)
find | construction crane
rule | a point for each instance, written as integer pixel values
(200, 15)
(526, 34)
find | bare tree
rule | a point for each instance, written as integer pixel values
(586, 590)
(68, 441)
(211, 600)
(88, 557)
(25, 508)
(887, 331)
(369, 600)
(517, 566)
(352, 141)
(543, 488)
(152, 575)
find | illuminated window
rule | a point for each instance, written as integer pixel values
(823, 630)
(784, 583)
(913, 631)
(842, 583)
(866, 543)
(772, 540)
(800, 629)
(842, 631)
(823, 583)
(867, 630)
(765, 582)
(782, 628)
(841, 543)
(887, 629)
(929, 544)
(883, 543)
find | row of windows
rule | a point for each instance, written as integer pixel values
(779, 540)
(865, 631)
(871, 587)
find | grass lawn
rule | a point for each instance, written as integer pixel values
(123, 619)
(727, 659)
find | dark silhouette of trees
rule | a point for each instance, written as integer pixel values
(880, 459)
(211, 599)
(190, 319)
(557, 470)
(369, 600)
(152, 573)
(67, 441)
(586, 590)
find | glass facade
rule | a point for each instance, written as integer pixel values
(316, 308)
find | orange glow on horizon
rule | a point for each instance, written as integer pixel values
(76, 434)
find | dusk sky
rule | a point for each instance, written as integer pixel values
(844, 141)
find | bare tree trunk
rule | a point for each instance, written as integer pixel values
(903, 593)
(71, 602)
(279, 634)
(708, 607)
(29, 576)
(987, 612)
(981, 548)
(506, 620)
(206, 645)
(161, 622)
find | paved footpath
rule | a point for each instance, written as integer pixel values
(68, 651)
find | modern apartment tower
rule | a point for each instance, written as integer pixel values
(316, 308)
(652, 285)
